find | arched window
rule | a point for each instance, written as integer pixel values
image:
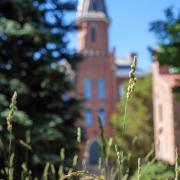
(93, 34)
(94, 153)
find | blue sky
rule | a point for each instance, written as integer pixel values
(129, 29)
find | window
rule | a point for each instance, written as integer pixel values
(102, 115)
(88, 117)
(101, 89)
(88, 89)
(121, 91)
(65, 96)
(93, 34)
(94, 5)
(94, 153)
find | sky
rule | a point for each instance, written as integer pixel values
(129, 28)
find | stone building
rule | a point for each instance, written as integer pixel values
(100, 76)
(100, 82)
(166, 112)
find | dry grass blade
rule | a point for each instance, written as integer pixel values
(86, 174)
(139, 169)
(176, 166)
(103, 140)
(79, 135)
(12, 110)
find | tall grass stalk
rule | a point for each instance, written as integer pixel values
(130, 89)
(27, 146)
(10, 168)
(13, 108)
(74, 163)
(120, 161)
(25, 172)
(84, 164)
(62, 158)
(53, 171)
(79, 135)
(110, 142)
(46, 171)
(124, 118)
(103, 146)
(176, 167)
(139, 169)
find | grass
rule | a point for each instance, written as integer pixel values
(107, 170)
(9, 128)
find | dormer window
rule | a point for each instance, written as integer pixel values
(93, 34)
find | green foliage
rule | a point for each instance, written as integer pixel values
(137, 137)
(167, 31)
(149, 170)
(176, 93)
(33, 45)
(155, 171)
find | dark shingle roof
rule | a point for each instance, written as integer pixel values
(92, 9)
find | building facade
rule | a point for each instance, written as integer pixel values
(100, 82)
(166, 112)
(97, 71)
(100, 77)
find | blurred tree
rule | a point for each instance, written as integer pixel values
(136, 140)
(168, 33)
(33, 49)
(155, 170)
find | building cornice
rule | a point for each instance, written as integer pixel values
(92, 17)
(94, 53)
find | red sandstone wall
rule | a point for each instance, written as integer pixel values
(84, 41)
(177, 122)
(94, 68)
(163, 117)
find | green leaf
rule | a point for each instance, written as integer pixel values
(20, 117)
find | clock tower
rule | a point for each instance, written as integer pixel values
(96, 76)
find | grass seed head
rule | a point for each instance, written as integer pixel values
(79, 135)
(13, 108)
(132, 80)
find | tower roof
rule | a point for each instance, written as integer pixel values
(92, 10)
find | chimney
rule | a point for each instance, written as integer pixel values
(132, 55)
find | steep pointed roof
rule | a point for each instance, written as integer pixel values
(92, 10)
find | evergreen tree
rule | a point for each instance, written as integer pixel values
(155, 170)
(33, 46)
(136, 139)
(168, 33)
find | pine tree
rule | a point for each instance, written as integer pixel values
(168, 34)
(33, 47)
